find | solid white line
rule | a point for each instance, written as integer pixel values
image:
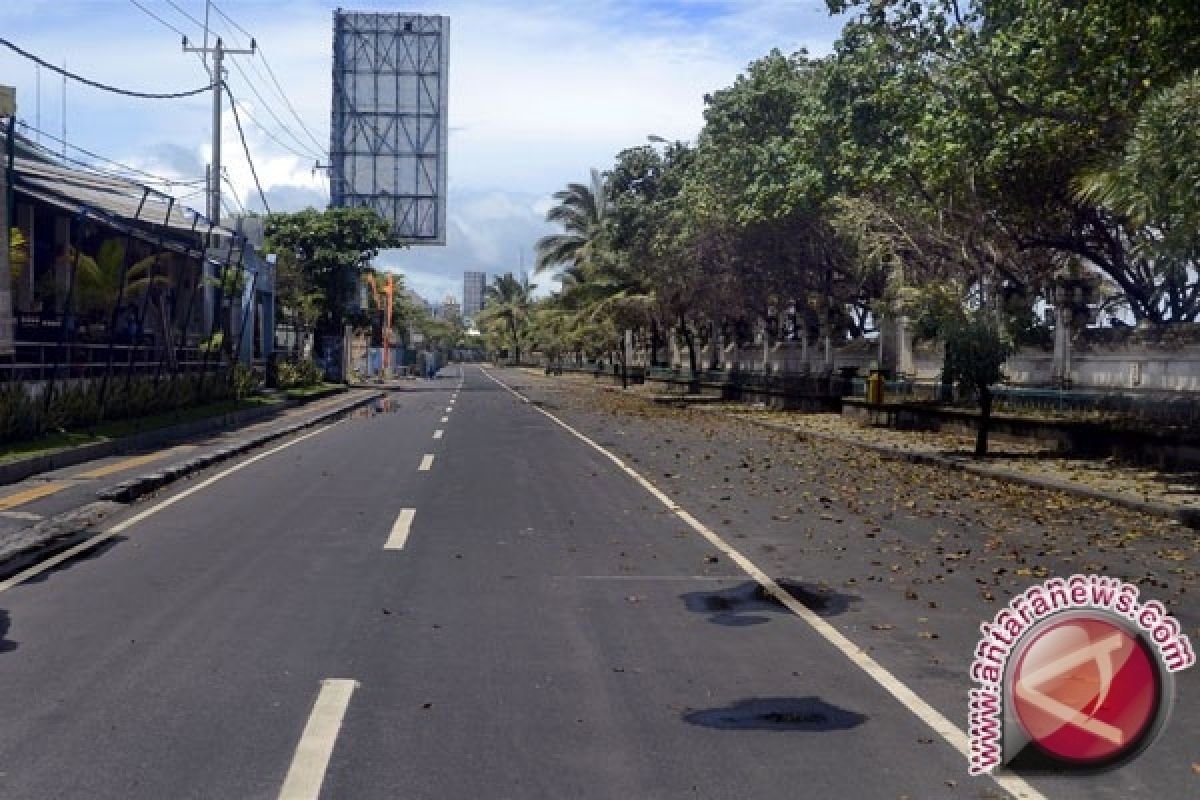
(28, 516)
(426, 463)
(307, 772)
(54, 561)
(951, 733)
(445, 419)
(400, 527)
(437, 434)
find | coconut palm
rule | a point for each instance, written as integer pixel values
(508, 299)
(581, 211)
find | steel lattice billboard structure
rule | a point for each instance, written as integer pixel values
(388, 129)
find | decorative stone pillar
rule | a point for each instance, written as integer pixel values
(1061, 369)
(895, 346)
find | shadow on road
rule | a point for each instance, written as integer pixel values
(6, 644)
(92, 552)
(811, 714)
(731, 606)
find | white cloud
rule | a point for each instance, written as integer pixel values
(540, 92)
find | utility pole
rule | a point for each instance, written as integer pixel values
(218, 51)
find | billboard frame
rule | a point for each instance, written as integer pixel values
(397, 131)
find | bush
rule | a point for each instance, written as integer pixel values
(75, 406)
(242, 381)
(294, 374)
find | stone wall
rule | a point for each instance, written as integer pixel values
(1141, 367)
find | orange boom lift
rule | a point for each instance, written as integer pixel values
(388, 291)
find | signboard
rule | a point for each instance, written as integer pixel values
(388, 128)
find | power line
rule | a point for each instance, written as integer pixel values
(288, 102)
(233, 189)
(98, 85)
(231, 25)
(185, 14)
(168, 25)
(152, 15)
(274, 116)
(246, 148)
(266, 132)
(278, 87)
(145, 175)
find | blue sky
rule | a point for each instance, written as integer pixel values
(539, 93)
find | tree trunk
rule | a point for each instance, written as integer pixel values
(653, 343)
(694, 383)
(512, 327)
(624, 371)
(985, 418)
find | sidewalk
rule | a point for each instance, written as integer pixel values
(1174, 495)
(55, 509)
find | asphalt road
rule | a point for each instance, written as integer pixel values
(514, 617)
(27, 502)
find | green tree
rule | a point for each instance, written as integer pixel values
(976, 346)
(1154, 187)
(986, 113)
(508, 300)
(332, 249)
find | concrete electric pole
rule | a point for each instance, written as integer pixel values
(218, 51)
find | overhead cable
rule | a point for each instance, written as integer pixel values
(245, 147)
(278, 87)
(144, 175)
(154, 16)
(274, 116)
(97, 84)
(184, 14)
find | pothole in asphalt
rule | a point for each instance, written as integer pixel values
(810, 714)
(731, 606)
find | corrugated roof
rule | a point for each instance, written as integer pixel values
(121, 200)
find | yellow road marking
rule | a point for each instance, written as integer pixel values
(31, 494)
(130, 463)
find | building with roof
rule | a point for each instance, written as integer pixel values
(107, 272)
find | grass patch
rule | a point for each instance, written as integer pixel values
(62, 440)
(306, 392)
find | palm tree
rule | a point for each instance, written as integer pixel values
(103, 280)
(581, 211)
(509, 299)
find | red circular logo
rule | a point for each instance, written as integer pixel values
(1085, 690)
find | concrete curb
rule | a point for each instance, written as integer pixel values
(130, 490)
(51, 536)
(15, 471)
(1185, 516)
